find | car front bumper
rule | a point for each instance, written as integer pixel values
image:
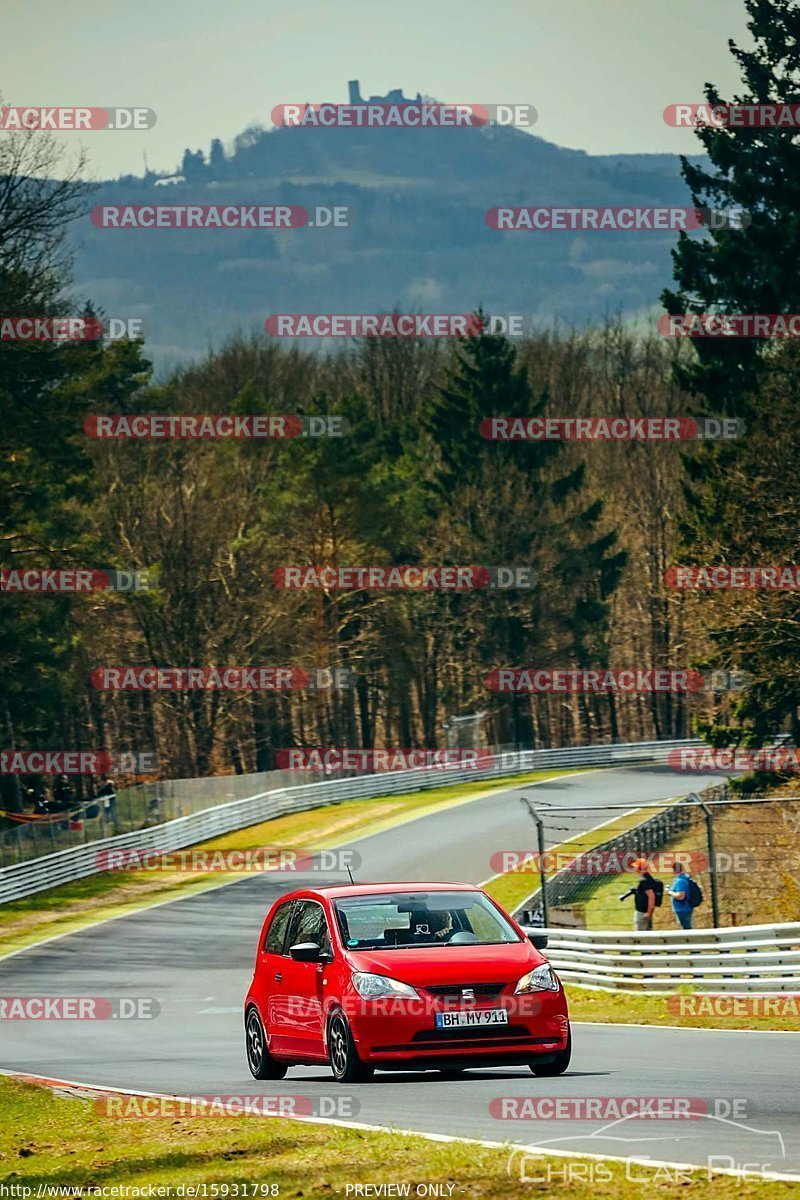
(404, 1033)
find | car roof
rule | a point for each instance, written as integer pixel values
(379, 889)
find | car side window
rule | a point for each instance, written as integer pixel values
(310, 925)
(276, 934)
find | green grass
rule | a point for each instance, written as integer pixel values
(48, 1141)
(634, 1008)
(98, 897)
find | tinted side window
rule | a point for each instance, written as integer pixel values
(310, 925)
(277, 929)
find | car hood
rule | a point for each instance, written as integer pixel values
(437, 965)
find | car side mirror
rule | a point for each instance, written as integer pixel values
(306, 952)
(537, 939)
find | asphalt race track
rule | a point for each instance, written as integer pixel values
(195, 957)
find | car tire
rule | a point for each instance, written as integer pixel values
(261, 1063)
(559, 1064)
(345, 1064)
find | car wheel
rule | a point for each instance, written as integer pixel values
(347, 1067)
(559, 1064)
(261, 1063)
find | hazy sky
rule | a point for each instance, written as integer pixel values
(600, 72)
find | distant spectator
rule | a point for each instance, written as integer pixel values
(34, 796)
(62, 794)
(107, 795)
(646, 894)
(681, 905)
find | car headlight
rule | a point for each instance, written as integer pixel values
(375, 987)
(540, 979)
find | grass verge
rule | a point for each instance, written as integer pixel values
(50, 1142)
(690, 1010)
(98, 897)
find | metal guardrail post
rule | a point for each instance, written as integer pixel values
(540, 844)
(542, 870)
(712, 862)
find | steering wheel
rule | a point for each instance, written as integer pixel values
(461, 937)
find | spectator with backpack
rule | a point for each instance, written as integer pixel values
(647, 895)
(686, 895)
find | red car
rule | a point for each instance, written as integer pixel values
(401, 976)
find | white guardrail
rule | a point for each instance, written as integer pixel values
(37, 874)
(747, 958)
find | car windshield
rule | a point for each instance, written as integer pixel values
(403, 920)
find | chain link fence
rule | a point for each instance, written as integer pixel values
(743, 852)
(132, 809)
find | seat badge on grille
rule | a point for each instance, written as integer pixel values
(468, 994)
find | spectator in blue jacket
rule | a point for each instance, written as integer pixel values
(680, 897)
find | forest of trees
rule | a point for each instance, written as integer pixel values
(413, 482)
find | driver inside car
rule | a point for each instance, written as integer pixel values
(440, 925)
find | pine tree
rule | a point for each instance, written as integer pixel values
(510, 502)
(741, 506)
(751, 269)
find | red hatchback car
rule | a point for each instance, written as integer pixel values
(401, 976)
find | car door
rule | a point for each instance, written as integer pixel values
(303, 982)
(272, 965)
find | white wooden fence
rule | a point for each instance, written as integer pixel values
(746, 958)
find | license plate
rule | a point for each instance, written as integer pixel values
(478, 1016)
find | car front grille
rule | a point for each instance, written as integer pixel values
(454, 990)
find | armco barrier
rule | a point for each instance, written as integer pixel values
(38, 874)
(747, 958)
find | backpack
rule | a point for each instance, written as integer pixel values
(694, 894)
(658, 888)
